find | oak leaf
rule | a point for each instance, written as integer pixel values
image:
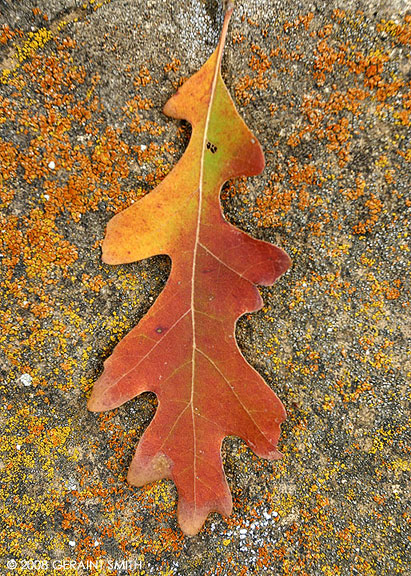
(184, 349)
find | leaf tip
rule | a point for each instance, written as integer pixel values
(282, 263)
(191, 518)
(274, 455)
(109, 252)
(286, 262)
(143, 472)
(103, 396)
(169, 108)
(92, 404)
(97, 401)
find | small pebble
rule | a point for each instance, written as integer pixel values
(26, 379)
(52, 165)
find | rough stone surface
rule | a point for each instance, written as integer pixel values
(326, 87)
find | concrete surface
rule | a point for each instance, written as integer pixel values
(326, 87)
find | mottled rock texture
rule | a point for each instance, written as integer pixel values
(326, 87)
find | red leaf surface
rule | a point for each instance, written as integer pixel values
(184, 349)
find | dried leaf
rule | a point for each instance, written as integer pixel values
(184, 349)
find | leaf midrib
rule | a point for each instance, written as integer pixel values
(220, 49)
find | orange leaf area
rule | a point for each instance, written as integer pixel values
(184, 349)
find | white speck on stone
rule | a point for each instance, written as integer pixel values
(26, 379)
(46, 197)
(275, 514)
(72, 543)
(266, 515)
(96, 543)
(18, 446)
(143, 147)
(243, 531)
(52, 165)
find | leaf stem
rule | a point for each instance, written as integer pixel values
(229, 7)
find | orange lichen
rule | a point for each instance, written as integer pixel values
(326, 58)
(301, 20)
(144, 77)
(237, 37)
(50, 178)
(374, 205)
(399, 32)
(174, 65)
(6, 34)
(259, 60)
(247, 84)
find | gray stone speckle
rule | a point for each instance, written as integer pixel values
(325, 86)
